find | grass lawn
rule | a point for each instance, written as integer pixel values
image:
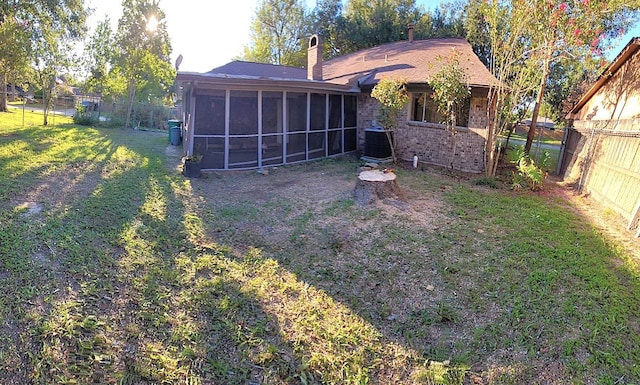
(115, 269)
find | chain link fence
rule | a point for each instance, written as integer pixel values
(91, 110)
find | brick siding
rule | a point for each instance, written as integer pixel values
(432, 142)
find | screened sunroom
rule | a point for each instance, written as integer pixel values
(244, 128)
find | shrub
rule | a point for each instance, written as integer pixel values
(84, 117)
(528, 175)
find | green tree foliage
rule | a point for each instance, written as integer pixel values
(527, 38)
(279, 33)
(561, 30)
(327, 21)
(98, 56)
(575, 29)
(41, 29)
(14, 58)
(451, 92)
(393, 97)
(370, 23)
(568, 80)
(502, 29)
(280, 27)
(446, 20)
(142, 53)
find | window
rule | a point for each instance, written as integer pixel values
(212, 152)
(241, 129)
(318, 108)
(296, 111)
(271, 112)
(335, 142)
(210, 114)
(424, 109)
(243, 113)
(243, 152)
(316, 145)
(335, 111)
(350, 140)
(350, 111)
(296, 147)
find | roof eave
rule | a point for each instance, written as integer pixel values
(627, 52)
(234, 80)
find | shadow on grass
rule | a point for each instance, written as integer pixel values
(512, 285)
(110, 287)
(150, 278)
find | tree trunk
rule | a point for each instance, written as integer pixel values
(375, 185)
(454, 134)
(536, 109)
(47, 96)
(3, 92)
(392, 144)
(132, 96)
(490, 146)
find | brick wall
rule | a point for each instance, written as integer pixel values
(432, 142)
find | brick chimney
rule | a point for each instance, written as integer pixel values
(410, 27)
(314, 58)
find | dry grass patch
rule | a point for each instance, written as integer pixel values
(131, 274)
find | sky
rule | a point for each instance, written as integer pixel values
(210, 33)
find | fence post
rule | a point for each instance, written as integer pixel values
(563, 146)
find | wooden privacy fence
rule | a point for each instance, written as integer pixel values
(605, 164)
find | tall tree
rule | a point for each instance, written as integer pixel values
(142, 52)
(40, 26)
(14, 57)
(451, 92)
(573, 28)
(278, 33)
(327, 21)
(446, 20)
(526, 38)
(565, 77)
(98, 55)
(371, 23)
(504, 28)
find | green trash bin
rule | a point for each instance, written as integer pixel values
(175, 127)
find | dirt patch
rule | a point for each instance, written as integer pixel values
(59, 189)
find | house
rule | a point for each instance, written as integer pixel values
(250, 115)
(541, 123)
(601, 152)
(89, 101)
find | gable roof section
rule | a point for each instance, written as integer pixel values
(627, 52)
(415, 61)
(244, 68)
(242, 73)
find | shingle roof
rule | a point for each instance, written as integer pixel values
(414, 61)
(262, 70)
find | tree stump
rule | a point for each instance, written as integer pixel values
(375, 185)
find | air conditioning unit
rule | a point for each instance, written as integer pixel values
(376, 144)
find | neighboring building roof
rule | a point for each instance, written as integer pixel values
(541, 122)
(414, 61)
(627, 52)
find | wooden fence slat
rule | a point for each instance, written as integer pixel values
(607, 165)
